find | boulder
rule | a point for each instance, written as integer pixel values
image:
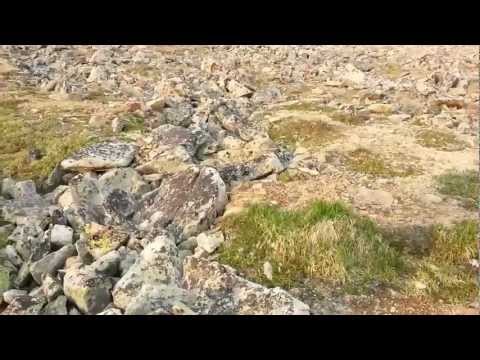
(158, 264)
(56, 307)
(10, 295)
(61, 235)
(189, 201)
(25, 305)
(161, 300)
(101, 156)
(224, 292)
(90, 292)
(50, 263)
(210, 241)
(103, 239)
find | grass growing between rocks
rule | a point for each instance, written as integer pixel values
(366, 162)
(464, 185)
(440, 140)
(20, 134)
(327, 243)
(291, 132)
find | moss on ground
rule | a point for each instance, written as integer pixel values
(367, 162)
(307, 133)
(440, 140)
(463, 185)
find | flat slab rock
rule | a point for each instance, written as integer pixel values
(101, 156)
(189, 200)
(228, 293)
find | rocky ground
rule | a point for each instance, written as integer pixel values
(146, 149)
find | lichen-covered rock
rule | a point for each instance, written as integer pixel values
(30, 241)
(190, 201)
(25, 305)
(103, 239)
(111, 311)
(124, 179)
(173, 148)
(101, 156)
(161, 300)
(56, 307)
(50, 263)
(107, 264)
(90, 292)
(157, 264)
(61, 235)
(13, 256)
(210, 241)
(51, 287)
(227, 293)
(11, 294)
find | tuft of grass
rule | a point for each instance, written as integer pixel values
(440, 140)
(366, 162)
(445, 271)
(464, 185)
(291, 132)
(324, 242)
(134, 123)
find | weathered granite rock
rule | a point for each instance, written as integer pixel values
(227, 293)
(30, 241)
(210, 241)
(10, 295)
(189, 200)
(161, 300)
(50, 263)
(103, 239)
(156, 265)
(101, 156)
(90, 292)
(51, 287)
(25, 305)
(56, 307)
(61, 235)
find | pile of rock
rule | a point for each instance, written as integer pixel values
(112, 242)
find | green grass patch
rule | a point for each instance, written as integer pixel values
(307, 133)
(440, 140)
(366, 162)
(464, 185)
(324, 242)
